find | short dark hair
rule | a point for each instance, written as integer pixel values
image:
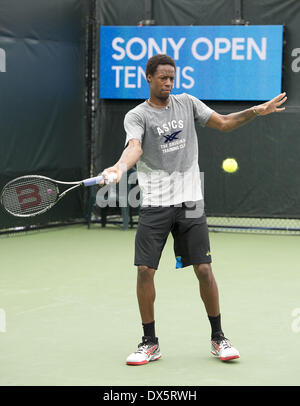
(159, 59)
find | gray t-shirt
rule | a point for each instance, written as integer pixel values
(168, 171)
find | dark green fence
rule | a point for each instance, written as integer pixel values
(52, 122)
(42, 102)
(267, 183)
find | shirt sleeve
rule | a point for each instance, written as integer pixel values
(134, 127)
(202, 112)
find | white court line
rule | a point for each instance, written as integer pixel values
(34, 309)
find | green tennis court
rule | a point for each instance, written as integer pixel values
(71, 316)
(81, 93)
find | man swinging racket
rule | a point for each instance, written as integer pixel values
(161, 139)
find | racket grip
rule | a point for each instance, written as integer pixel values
(98, 179)
(93, 181)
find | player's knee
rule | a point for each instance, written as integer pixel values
(203, 272)
(145, 274)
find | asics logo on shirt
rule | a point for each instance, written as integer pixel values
(172, 137)
(169, 126)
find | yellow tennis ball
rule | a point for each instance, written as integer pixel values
(230, 165)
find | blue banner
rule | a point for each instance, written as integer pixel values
(213, 62)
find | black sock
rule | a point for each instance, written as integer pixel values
(149, 329)
(216, 329)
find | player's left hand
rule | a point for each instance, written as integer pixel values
(271, 106)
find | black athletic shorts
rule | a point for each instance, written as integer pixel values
(189, 229)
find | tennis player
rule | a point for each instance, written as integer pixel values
(161, 139)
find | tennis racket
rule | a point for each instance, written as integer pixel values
(28, 196)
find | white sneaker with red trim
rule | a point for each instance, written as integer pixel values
(223, 349)
(147, 351)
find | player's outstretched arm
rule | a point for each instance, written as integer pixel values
(128, 159)
(232, 121)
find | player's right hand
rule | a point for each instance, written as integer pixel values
(107, 174)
